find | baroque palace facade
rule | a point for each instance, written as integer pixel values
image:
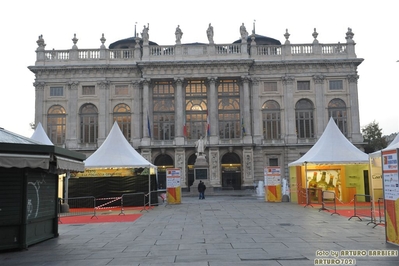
(255, 101)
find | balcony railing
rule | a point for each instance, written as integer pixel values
(202, 51)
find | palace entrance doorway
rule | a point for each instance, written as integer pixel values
(231, 172)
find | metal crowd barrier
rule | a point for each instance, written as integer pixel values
(381, 212)
(132, 199)
(328, 202)
(77, 206)
(363, 208)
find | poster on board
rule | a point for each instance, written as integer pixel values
(273, 184)
(391, 194)
(173, 187)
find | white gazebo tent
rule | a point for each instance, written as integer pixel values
(334, 154)
(116, 152)
(40, 135)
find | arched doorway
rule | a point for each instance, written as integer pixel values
(231, 171)
(190, 170)
(163, 162)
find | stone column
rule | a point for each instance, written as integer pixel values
(72, 119)
(213, 110)
(40, 113)
(103, 111)
(256, 111)
(354, 110)
(320, 105)
(136, 122)
(289, 105)
(246, 114)
(179, 111)
(147, 113)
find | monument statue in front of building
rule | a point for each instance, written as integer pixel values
(200, 145)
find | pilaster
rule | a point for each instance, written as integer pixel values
(248, 167)
(214, 167)
(289, 106)
(213, 110)
(72, 130)
(354, 109)
(179, 111)
(39, 102)
(103, 111)
(180, 159)
(147, 113)
(320, 104)
(255, 111)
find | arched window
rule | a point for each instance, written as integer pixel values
(88, 123)
(304, 119)
(123, 117)
(337, 110)
(196, 109)
(164, 111)
(229, 109)
(271, 118)
(56, 124)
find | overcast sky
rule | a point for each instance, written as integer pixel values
(375, 28)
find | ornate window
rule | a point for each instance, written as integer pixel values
(123, 117)
(88, 90)
(163, 111)
(271, 118)
(196, 109)
(88, 123)
(229, 109)
(304, 119)
(337, 110)
(56, 124)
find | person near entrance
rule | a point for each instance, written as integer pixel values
(201, 190)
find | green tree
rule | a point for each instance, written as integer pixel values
(372, 135)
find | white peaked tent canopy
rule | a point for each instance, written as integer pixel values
(332, 148)
(40, 135)
(393, 145)
(116, 152)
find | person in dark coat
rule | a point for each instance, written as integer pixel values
(201, 190)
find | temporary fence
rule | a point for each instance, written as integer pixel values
(77, 206)
(132, 199)
(312, 196)
(363, 207)
(380, 212)
(328, 202)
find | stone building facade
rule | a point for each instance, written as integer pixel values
(256, 102)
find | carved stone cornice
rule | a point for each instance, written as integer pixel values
(318, 79)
